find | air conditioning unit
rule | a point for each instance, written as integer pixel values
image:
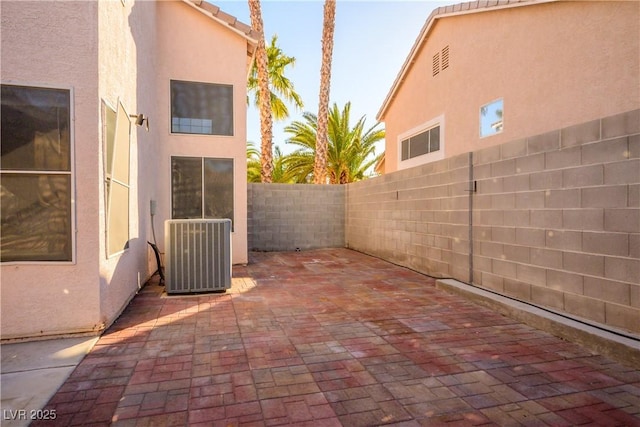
(197, 255)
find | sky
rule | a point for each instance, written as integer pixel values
(372, 39)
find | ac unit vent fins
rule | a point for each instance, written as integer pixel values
(198, 255)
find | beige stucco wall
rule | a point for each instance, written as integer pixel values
(59, 51)
(554, 64)
(217, 57)
(125, 49)
(115, 52)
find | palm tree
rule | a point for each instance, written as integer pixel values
(280, 173)
(350, 151)
(328, 25)
(253, 163)
(266, 122)
(282, 89)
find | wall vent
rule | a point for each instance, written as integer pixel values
(445, 57)
(198, 255)
(436, 64)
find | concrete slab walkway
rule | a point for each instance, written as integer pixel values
(334, 337)
(32, 372)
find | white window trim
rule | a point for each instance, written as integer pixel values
(108, 174)
(72, 172)
(425, 158)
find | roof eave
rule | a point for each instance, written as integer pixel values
(228, 21)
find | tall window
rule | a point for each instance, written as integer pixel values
(201, 108)
(423, 143)
(35, 168)
(117, 132)
(201, 188)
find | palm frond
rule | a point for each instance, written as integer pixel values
(351, 149)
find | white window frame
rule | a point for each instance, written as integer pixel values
(424, 158)
(108, 178)
(71, 173)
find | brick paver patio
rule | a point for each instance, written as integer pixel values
(334, 337)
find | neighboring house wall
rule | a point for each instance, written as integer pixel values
(553, 64)
(59, 51)
(556, 219)
(217, 57)
(284, 217)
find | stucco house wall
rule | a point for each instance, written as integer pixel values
(554, 64)
(50, 298)
(111, 53)
(124, 62)
(217, 56)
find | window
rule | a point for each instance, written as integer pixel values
(36, 176)
(491, 118)
(423, 143)
(117, 130)
(201, 188)
(201, 108)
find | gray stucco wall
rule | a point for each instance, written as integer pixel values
(286, 217)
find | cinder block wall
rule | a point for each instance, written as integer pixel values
(417, 217)
(556, 219)
(285, 217)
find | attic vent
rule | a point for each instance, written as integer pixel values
(436, 64)
(445, 57)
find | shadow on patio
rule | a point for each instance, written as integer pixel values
(334, 337)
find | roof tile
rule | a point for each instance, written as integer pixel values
(224, 17)
(206, 6)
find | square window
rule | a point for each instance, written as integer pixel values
(491, 118)
(193, 104)
(36, 178)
